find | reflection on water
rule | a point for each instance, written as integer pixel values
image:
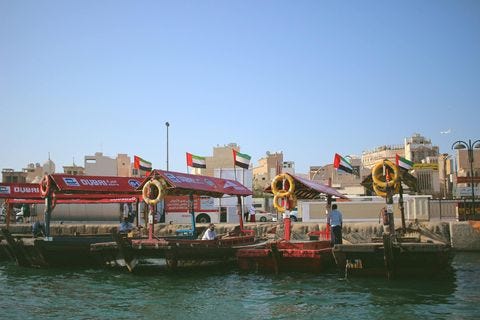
(226, 294)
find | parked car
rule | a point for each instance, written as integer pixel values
(294, 215)
(264, 216)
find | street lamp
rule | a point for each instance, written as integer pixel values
(459, 145)
(167, 125)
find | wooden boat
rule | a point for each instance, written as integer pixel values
(184, 249)
(394, 255)
(285, 255)
(400, 259)
(63, 250)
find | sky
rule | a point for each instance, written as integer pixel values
(306, 78)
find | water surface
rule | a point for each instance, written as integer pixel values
(231, 294)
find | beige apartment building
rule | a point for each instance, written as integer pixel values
(33, 173)
(222, 158)
(268, 167)
(370, 157)
(418, 148)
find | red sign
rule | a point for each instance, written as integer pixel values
(20, 190)
(476, 179)
(100, 184)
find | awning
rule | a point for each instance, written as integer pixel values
(105, 185)
(185, 184)
(308, 189)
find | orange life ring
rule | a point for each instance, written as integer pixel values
(377, 174)
(282, 192)
(45, 186)
(146, 190)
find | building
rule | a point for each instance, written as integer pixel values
(346, 183)
(12, 176)
(463, 174)
(74, 170)
(33, 173)
(100, 165)
(418, 148)
(445, 171)
(222, 158)
(268, 167)
(371, 157)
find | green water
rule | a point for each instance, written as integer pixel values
(230, 294)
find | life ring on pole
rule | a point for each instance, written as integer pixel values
(146, 192)
(377, 174)
(282, 192)
(279, 202)
(381, 192)
(45, 186)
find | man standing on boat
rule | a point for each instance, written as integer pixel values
(335, 220)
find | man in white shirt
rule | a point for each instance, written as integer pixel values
(210, 233)
(335, 220)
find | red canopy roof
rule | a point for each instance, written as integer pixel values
(184, 184)
(308, 189)
(106, 185)
(30, 193)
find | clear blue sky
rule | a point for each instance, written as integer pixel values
(309, 78)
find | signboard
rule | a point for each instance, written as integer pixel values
(425, 166)
(180, 204)
(466, 192)
(20, 190)
(101, 184)
(468, 179)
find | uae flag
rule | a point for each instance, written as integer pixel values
(340, 163)
(403, 163)
(196, 161)
(139, 163)
(241, 160)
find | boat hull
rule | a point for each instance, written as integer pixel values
(285, 256)
(174, 252)
(407, 259)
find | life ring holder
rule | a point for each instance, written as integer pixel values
(45, 185)
(382, 193)
(146, 189)
(292, 202)
(282, 192)
(377, 172)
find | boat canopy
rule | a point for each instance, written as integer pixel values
(184, 184)
(105, 185)
(308, 189)
(29, 193)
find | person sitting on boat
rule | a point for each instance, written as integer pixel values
(210, 233)
(335, 220)
(126, 226)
